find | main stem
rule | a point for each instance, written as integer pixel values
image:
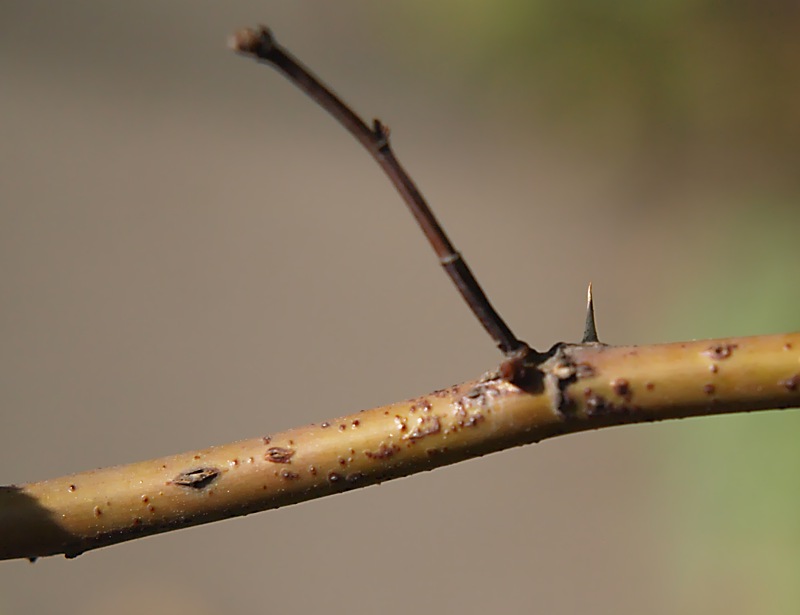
(579, 387)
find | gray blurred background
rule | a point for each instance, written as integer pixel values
(191, 253)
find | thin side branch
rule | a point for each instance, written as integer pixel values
(261, 45)
(578, 387)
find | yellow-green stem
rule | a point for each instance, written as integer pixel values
(578, 387)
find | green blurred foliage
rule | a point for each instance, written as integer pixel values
(732, 482)
(693, 70)
(745, 279)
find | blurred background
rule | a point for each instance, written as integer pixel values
(191, 253)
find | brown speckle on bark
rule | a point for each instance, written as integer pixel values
(595, 404)
(721, 351)
(426, 425)
(621, 387)
(792, 383)
(473, 393)
(473, 420)
(383, 452)
(433, 452)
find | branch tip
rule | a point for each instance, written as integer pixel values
(253, 42)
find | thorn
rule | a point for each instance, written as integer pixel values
(590, 328)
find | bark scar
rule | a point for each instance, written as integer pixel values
(278, 454)
(197, 478)
(560, 371)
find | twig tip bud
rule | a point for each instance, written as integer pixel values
(253, 41)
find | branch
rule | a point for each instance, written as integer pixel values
(260, 44)
(532, 396)
(575, 388)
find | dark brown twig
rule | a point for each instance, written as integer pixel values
(261, 45)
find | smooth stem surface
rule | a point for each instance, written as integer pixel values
(578, 387)
(260, 44)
